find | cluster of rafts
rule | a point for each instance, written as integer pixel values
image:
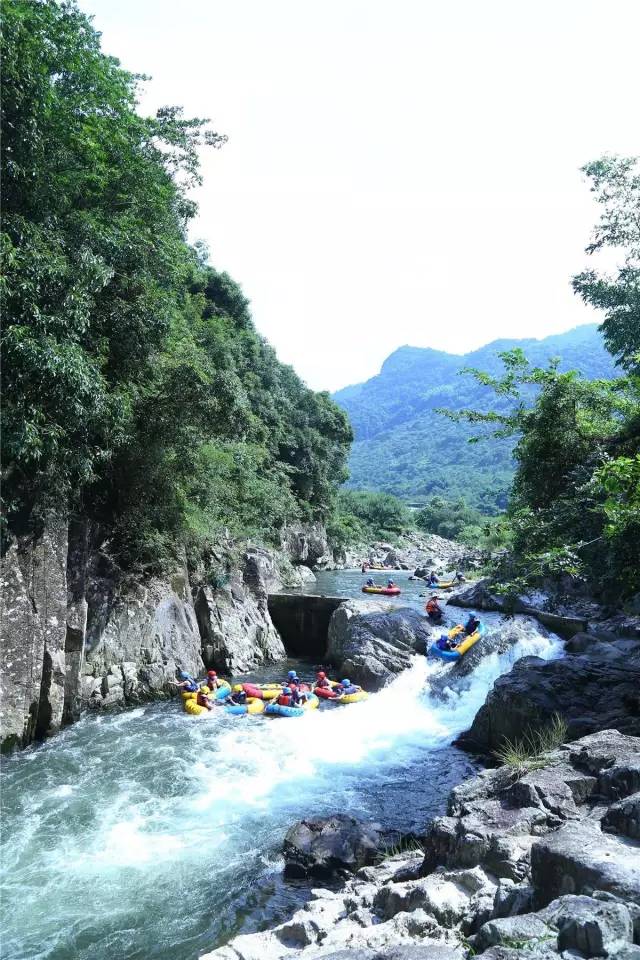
(261, 698)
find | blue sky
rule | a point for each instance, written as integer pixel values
(404, 171)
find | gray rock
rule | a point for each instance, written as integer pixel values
(372, 641)
(591, 694)
(137, 639)
(305, 543)
(512, 898)
(528, 927)
(590, 926)
(329, 845)
(409, 951)
(33, 611)
(624, 817)
(235, 625)
(579, 859)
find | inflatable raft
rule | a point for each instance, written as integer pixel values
(192, 707)
(384, 591)
(253, 706)
(463, 647)
(354, 697)
(277, 710)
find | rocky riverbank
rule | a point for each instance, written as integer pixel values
(534, 864)
(413, 551)
(78, 633)
(538, 858)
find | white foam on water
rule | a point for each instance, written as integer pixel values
(121, 820)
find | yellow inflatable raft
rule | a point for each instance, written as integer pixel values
(353, 697)
(189, 698)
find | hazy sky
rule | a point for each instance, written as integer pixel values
(398, 171)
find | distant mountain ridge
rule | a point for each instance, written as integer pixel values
(401, 446)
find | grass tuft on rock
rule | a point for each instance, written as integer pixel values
(531, 751)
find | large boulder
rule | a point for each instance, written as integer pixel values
(371, 643)
(306, 543)
(233, 616)
(591, 693)
(579, 858)
(592, 927)
(330, 845)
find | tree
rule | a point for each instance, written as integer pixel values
(95, 203)
(616, 183)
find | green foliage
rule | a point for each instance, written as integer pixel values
(404, 448)
(531, 751)
(361, 516)
(615, 181)
(457, 521)
(557, 512)
(135, 387)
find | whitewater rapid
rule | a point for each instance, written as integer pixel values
(154, 834)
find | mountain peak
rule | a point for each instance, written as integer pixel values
(403, 446)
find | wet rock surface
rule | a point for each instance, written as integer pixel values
(591, 691)
(330, 846)
(520, 867)
(371, 642)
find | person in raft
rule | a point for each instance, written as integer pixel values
(432, 579)
(294, 681)
(202, 698)
(459, 577)
(289, 697)
(345, 688)
(321, 680)
(186, 682)
(471, 625)
(390, 584)
(212, 680)
(447, 643)
(370, 582)
(433, 608)
(365, 566)
(238, 695)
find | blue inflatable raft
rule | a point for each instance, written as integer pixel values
(276, 710)
(462, 648)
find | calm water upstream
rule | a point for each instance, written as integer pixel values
(152, 834)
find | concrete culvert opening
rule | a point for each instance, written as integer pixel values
(302, 620)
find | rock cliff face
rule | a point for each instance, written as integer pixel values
(76, 634)
(236, 629)
(33, 626)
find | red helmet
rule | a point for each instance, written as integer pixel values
(321, 675)
(211, 673)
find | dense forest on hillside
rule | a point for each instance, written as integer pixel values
(403, 447)
(135, 388)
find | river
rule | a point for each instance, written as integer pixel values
(152, 834)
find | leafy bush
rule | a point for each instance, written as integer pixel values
(360, 516)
